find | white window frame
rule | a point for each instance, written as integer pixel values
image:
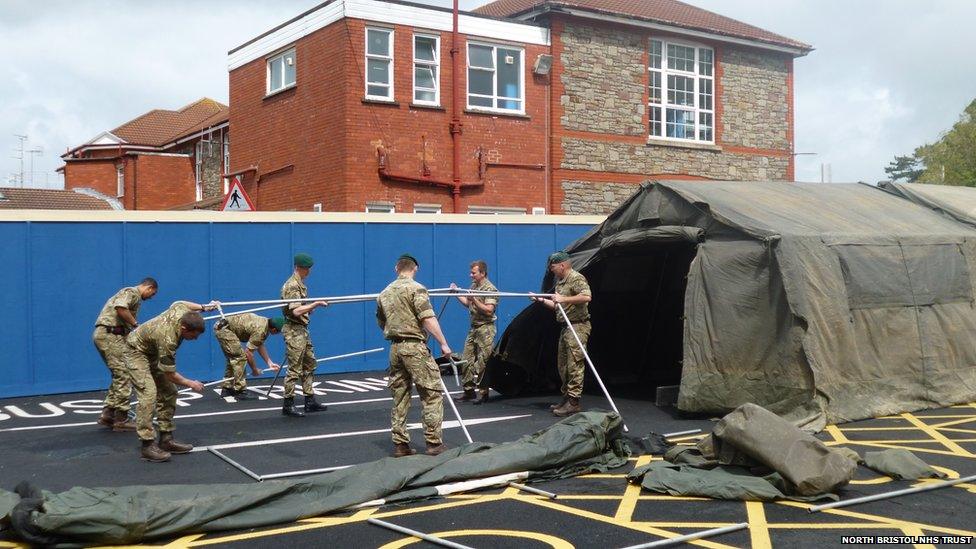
(198, 169)
(389, 57)
(664, 105)
(427, 208)
(494, 78)
(226, 152)
(380, 207)
(495, 210)
(119, 181)
(268, 63)
(436, 64)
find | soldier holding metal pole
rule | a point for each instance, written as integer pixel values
(481, 336)
(573, 293)
(300, 355)
(403, 312)
(230, 333)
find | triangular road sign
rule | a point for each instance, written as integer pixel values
(236, 199)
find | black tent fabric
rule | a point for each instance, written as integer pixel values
(128, 514)
(819, 302)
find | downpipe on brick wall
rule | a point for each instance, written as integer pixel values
(454, 186)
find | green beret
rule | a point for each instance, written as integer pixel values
(303, 260)
(410, 257)
(558, 257)
(278, 322)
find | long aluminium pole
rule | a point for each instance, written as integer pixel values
(590, 362)
(447, 396)
(896, 493)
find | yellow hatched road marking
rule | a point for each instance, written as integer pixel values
(936, 435)
(629, 500)
(552, 541)
(897, 523)
(916, 531)
(758, 532)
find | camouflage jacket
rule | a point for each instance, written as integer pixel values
(479, 318)
(294, 288)
(159, 337)
(249, 327)
(574, 284)
(126, 297)
(400, 309)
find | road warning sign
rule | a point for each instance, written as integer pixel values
(236, 199)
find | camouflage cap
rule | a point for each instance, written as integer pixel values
(410, 257)
(303, 260)
(278, 322)
(558, 257)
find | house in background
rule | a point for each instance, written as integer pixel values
(562, 106)
(161, 160)
(659, 88)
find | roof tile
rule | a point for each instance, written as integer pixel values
(15, 198)
(159, 127)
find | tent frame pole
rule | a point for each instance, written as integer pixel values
(892, 494)
(426, 537)
(590, 362)
(236, 465)
(691, 537)
(450, 401)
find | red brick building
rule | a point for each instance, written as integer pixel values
(562, 106)
(160, 160)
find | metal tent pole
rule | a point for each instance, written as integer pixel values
(236, 465)
(347, 355)
(692, 537)
(590, 362)
(447, 396)
(886, 495)
(426, 537)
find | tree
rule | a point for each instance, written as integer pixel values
(907, 168)
(952, 159)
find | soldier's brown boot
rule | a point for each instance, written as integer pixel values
(166, 443)
(482, 397)
(311, 405)
(571, 407)
(288, 408)
(108, 417)
(560, 404)
(402, 449)
(122, 423)
(435, 449)
(469, 394)
(153, 453)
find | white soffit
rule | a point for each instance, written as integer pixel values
(385, 12)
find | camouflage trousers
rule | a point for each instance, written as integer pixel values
(113, 349)
(570, 361)
(155, 392)
(411, 364)
(477, 349)
(230, 344)
(301, 359)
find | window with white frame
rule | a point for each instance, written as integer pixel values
(379, 64)
(119, 181)
(380, 207)
(495, 80)
(426, 70)
(426, 208)
(226, 162)
(682, 97)
(495, 210)
(198, 169)
(281, 71)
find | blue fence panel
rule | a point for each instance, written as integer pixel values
(58, 275)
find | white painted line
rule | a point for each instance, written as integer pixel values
(445, 425)
(203, 414)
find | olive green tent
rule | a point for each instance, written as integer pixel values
(820, 302)
(955, 202)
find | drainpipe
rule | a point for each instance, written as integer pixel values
(455, 116)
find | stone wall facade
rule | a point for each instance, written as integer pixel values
(755, 99)
(591, 198)
(604, 80)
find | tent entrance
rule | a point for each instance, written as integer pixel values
(638, 316)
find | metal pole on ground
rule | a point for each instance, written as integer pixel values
(590, 362)
(426, 537)
(532, 490)
(347, 355)
(681, 433)
(209, 384)
(447, 396)
(236, 465)
(692, 537)
(895, 493)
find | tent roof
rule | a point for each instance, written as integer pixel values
(956, 202)
(812, 209)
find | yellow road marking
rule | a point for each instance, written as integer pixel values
(552, 541)
(915, 531)
(936, 435)
(897, 523)
(758, 532)
(629, 500)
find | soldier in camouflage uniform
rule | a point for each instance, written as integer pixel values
(573, 292)
(230, 333)
(481, 336)
(151, 359)
(299, 352)
(118, 318)
(403, 312)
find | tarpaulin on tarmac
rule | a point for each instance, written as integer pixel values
(589, 440)
(822, 303)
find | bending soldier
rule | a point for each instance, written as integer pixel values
(481, 336)
(237, 329)
(403, 312)
(114, 322)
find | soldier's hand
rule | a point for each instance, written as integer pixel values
(212, 306)
(558, 298)
(195, 385)
(454, 286)
(533, 298)
(273, 367)
(321, 303)
(445, 349)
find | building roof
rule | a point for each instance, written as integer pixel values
(15, 198)
(668, 12)
(159, 126)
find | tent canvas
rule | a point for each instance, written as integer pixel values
(819, 302)
(955, 202)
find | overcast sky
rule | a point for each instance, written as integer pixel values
(886, 75)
